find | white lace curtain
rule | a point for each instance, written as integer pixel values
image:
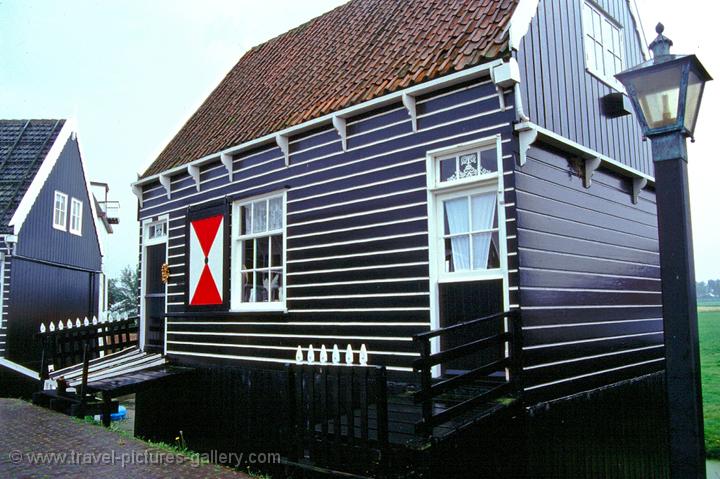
(482, 214)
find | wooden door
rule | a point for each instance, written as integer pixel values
(154, 297)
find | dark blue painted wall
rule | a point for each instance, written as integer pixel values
(560, 95)
(38, 239)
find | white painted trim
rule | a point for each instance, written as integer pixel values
(283, 142)
(236, 255)
(296, 323)
(227, 161)
(520, 22)
(594, 373)
(55, 224)
(426, 87)
(2, 288)
(638, 185)
(143, 265)
(138, 192)
(19, 368)
(166, 183)
(584, 152)
(276, 335)
(194, 172)
(340, 125)
(74, 201)
(409, 103)
(591, 165)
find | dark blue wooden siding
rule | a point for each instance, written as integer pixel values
(38, 239)
(357, 224)
(589, 278)
(560, 95)
(5, 289)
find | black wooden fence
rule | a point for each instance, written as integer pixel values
(338, 415)
(67, 346)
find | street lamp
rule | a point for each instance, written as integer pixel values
(666, 92)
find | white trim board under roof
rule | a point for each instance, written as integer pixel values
(421, 89)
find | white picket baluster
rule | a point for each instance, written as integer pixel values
(323, 355)
(349, 355)
(42, 327)
(77, 323)
(299, 355)
(86, 322)
(363, 356)
(311, 354)
(61, 326)
(336, 354)
(95, 321)
(52, 326)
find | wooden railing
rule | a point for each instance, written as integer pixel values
(337, 414)
(70, 343)
(505, 338)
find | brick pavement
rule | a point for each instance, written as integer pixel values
(38, 443)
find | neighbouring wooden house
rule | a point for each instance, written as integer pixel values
(50, 255)
(390, 170)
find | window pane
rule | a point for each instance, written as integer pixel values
(456, 216)
(597, 32)
(246, 219)
(488, 161)
(609, 63)
(457, 254)
(483, 211)
(276, 213)
(262, 252)
(261, 285)
(468, 166)
(590, 50)
(249, 254)
(276, 249)
(259, 216)
(248, 292)
(447, 169)
(276, 283)
(599, 59)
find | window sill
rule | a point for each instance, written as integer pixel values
(259, 308)
(60, 228)
(76, 233)
(612, 83)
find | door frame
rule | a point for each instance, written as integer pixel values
(435, 194)
(143, 274)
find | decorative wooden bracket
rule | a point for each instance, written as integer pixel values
(227, 161)
(638, 184)
(340, 125)
(194, 172)
(137, 191)
(527, 137)
(165, 182)
(591, 165)
(501, 96)
(284, 143)
(409, 103)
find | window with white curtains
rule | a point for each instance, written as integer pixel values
(468, 220)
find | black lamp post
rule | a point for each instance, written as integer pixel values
(666, 92)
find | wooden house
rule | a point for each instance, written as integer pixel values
(390, 170)
(50, 255)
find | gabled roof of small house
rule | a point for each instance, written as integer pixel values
(24, 144)
(359, 51)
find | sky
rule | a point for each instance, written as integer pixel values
(131, 72)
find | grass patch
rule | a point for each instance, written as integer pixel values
(709, 324)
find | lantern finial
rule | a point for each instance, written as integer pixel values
(661, 45)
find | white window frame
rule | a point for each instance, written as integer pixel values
(237, 251)
(62, 226)
(589, 40)
(148, 241)
(2, 289)
(76, 231)
(438, 191)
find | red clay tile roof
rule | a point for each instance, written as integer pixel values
(356, 52)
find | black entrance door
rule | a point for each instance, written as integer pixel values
(465, 301)
(154, 298)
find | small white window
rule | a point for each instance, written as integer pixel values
(157, 230)
(76, 210)
(603, 45)
(60, 211)
(258, 252)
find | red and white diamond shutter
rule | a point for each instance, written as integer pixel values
(206, 254)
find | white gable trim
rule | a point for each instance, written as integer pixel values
(69, 130)
(520, 22)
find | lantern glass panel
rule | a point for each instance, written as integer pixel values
(659, 95)
(692, 100)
